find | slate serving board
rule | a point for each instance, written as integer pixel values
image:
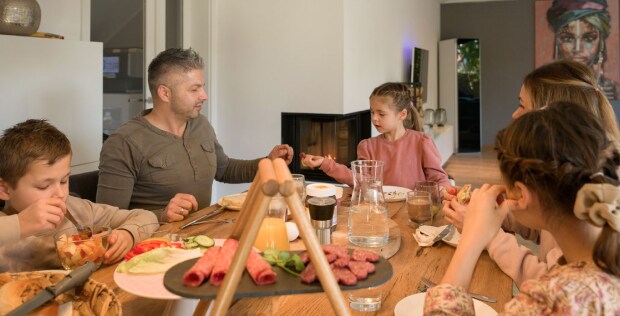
(285, 284)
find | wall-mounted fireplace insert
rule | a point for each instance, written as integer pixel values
(333, 135)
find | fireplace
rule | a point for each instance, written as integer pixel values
(332, 135)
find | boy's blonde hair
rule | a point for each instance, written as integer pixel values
(27, 142)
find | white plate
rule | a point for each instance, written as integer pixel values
(394, 194)
(240, 197)
(453, 237)
(148, 285)
(413, 305)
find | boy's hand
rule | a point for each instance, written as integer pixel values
(41, 216)
(120, 242)
(179, 207)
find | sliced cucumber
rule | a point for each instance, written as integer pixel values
(204, 241)
(191, 245)
(188, 239)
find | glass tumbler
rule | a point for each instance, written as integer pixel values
(431, 187)
(272, 232)
(419, 208)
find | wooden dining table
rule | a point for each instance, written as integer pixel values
(408, 264)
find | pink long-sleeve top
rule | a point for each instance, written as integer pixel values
(517, 261)
(409, 159)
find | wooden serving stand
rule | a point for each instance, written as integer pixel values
(272, 177)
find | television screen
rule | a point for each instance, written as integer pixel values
(111, 64)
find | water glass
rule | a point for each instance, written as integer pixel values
(300, 185)
(366, 300)
(419, 208)
(431, 187)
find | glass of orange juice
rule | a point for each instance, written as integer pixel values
(272, 232)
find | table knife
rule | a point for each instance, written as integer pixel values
(208, 215)
(443, 233)
(73, 279)
(430, 284)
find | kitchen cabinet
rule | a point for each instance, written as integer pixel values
(57, 80)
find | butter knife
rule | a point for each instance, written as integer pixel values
(428, 283)
(443, 233)
(208, 215)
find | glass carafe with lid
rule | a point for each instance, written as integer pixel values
(368, 218)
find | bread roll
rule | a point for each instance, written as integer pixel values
(464, 194)
(15, 293)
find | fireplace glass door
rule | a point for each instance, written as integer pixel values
(332, 136)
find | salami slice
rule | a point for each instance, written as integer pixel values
(223, 261)
(304, 257)
(201, 270)
(345, 276)
(309, 274)
(361, 269)
(259, 269)
(335, 249)
(364, 255)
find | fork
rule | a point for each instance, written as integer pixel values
(429, 284)
(215, 221)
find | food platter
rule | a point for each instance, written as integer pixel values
(148, 285)
(394, 194)
(286, 283)
(232, 202)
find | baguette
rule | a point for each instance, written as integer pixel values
(15, 293)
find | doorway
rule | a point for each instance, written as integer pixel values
(119, 25)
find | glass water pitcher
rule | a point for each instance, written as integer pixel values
(368, 218)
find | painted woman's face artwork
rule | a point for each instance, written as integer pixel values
(585, 31)
(579, 41)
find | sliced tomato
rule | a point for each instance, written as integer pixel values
(146, 245)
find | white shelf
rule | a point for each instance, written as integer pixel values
(444, 140)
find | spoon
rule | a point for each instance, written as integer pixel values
(84, 231)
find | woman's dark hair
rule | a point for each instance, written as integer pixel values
(554, 152)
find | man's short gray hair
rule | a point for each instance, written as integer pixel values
(184, 59)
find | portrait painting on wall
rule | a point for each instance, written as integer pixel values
(584, 31)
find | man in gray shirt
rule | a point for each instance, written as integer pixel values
(166, 158)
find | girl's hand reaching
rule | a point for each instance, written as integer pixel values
(485, 216)
(311, 160)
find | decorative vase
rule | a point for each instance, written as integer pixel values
(441, 116)
(19, 17)
(429, 117)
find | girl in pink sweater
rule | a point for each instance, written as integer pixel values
(409, 154)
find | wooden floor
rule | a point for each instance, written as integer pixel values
(475, 169)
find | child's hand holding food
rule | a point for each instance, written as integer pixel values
(43, 215)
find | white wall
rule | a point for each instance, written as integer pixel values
(70, 18)
(321, 56)
(378, 37)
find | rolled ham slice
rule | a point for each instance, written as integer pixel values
(259, 269)
(224, 261)
(201, 270)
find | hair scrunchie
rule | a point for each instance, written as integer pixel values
(599, 203)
